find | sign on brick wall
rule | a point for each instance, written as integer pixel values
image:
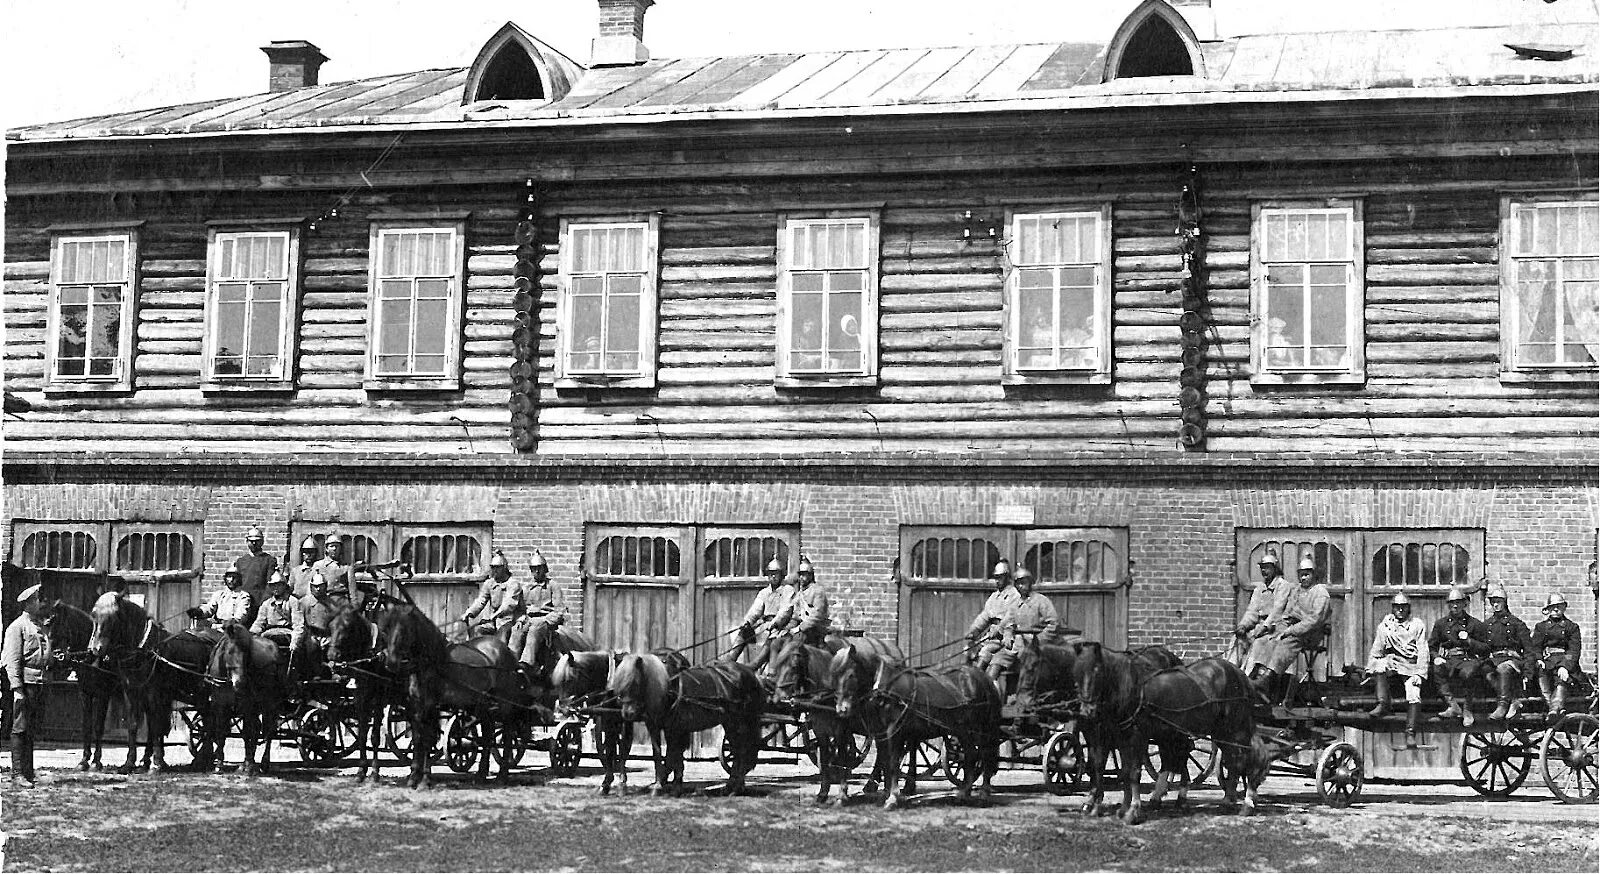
(1013, 514)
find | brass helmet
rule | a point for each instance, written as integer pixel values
(1271, 558)
(805, 567)
(1002, 568)
(1494, 591)
(498, 560)
(774, 567)
(1308, 563)
(310, 543)
(277, 578)
(1399, 600)
(1456, 594)
(537, 560)
(254, 534)
(1554, 599)
(1023, 574)
(317, 579)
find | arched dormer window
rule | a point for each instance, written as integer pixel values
(514, 65)
(1154, 40)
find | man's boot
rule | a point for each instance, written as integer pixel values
(22, 759)
(1413, 714)
(1451, 707)
(1467, 719)
(1516, 707)
(1380, 684)
(1502, 688)
(1558, 701)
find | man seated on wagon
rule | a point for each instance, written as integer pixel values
(308, 638)
(807, 613)
(1031, 615)
(1301, 627)
(499, 599)
(755, 630)
(986, 633)
(275, 619)
(1557, 644)
(1459, 643)
(228, 604)
(1510, 654)
(542, 603)
(1400, 649)
(1266, 606)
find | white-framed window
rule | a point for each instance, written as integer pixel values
(828, 300)
(417, 298)
(607, 312)
(251, 301)
(1550, 286)
(1058, 297)
(93, 277)
(1307, 293)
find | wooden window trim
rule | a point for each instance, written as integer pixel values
(288, 335)
(483, 532)
(999, 536)
(709, 534)
(868, 376)
(450, 380)
(195, 531)
(1355, 304)
(21, 529)
(1115, 537)
(682, 535)
(1512, 372)
(645, 377)
(1474, 539)
(1011, 374)
(121, 381)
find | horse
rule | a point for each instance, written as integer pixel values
(581, 677)
(480, 676)
(800, 680)
(902, 706)
(247, 680)
(1130, 699)
(70, 631)
(153, 668)
(678, 705)
(354, 649)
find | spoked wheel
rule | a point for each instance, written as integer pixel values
(1569, 756)
(511, 743)
(926, 758)
(954, 763)
(1200, 766)
(853, 751)
(1063, 762)
(316, 734)
(1339, 774)
(463, 742)
(1496, 763)
(566, 748)
(195, 725)
(398, 733)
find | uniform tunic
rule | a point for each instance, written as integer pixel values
(1265, 602)
(1557, 643)
(300, 580)
(314, 618)
(25, 655)
(275, 614)
(340, 577)
(1510, 642)
(1462, 642)
(809, 609)
(496, 604)
(987, 624)
(1305, 612)
(767, 604)
(1401, 647)
(228, 605)
(544, 599)
(254, 568)
(1029, 617)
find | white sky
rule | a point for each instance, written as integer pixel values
(64, 59)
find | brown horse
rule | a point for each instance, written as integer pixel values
(800, 676)
(154, 668)
(355, 650)
(1130, 699)
(902, 706)
(70, 630)
(678, 705)
(479, 677)
(579, 679)
(249, 681)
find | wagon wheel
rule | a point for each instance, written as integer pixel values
(316, 735)
(1063, 762)
(1569, 756)
(463, 742)
(194, 724)
(1496, 763)
(852, 751)
(511, 743)
(397, 732)
(805, 740)
(566, 748)
(1339, 774)
(925, 759)
(954, 763)
(1201, 764)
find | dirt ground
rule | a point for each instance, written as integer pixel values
(304, 819)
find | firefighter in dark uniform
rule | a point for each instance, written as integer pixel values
(255, 568)
(1510, 655)
(1557, 644)
(1459, 643)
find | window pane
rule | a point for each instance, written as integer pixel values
(1078, 346)
(73, 342)
(93, 260)
(432, 328)
(585, 339)
(399, 253)
(844, 327)
(622, 324)
(807, 322)
(394, 333)
(230, 328)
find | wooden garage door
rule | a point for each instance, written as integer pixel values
(637, 586)
(944, 582)
(1084, 572)
(732, 570)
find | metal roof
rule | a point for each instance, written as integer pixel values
(1262, 67)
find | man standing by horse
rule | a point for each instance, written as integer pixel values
(1266, 604)
(25, 655)
(1031, 616)
(256, 566)
(498, 602)
(1459, 643)
(756, 628)
(228, 604)
(543, 603)
(1510, 654)
(1302, 624)
(985, 633)
(807, 612)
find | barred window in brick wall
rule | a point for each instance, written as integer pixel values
(744, 557)
(59, 550)
(631, 556)
(155, 551)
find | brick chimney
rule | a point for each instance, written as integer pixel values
(294, 64)
(621, 40)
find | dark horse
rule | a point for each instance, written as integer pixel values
(479, 677)
(248, 681)
(355, 650)
(903, 706)
(1129, 700)
(153, 668)
(800, 676)
(70, 631)
(678, 705)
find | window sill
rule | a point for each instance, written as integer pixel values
(68, 389)
(1580, 376)
(401, 386)
(1057, 377)
(605, 382)
(826, 382)
(1291, 380)
(242, 386)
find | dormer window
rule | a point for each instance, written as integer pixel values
(1154, 40)
(515, 66)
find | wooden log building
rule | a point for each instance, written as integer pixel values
(1125, 309)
